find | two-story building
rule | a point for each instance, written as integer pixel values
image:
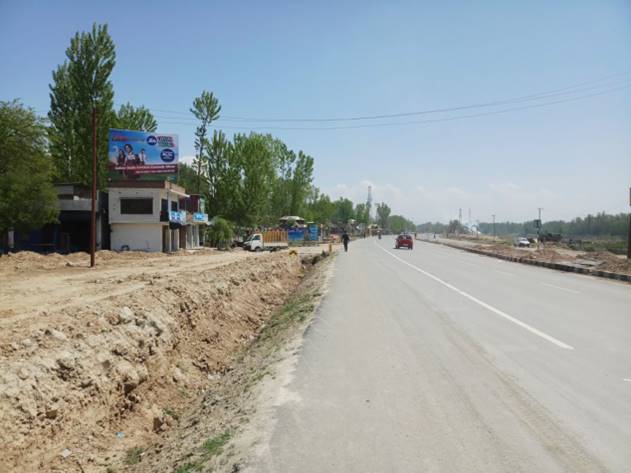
(154, 216)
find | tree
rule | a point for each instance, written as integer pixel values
(140, 118)
(79, 84)
(186, 176)
(320, 208)
(362, 213)
(206, 109)
(383, 212)
(27, 198)
(300, 183)
(221, 233)
(254, 158)
(400, 224)
(224, 177)
(343, 211)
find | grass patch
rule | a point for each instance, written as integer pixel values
(296, 308)
(214, 445)
(188, 468)
(133, 456)
(170, 412)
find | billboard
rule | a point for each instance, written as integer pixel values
(139, 154)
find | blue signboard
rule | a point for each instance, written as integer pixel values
(295, 235)
(313, 232)
(177, 216)
(132, 154)
(200, 217)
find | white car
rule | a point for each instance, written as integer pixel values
(522, 241)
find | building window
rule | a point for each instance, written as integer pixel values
(139, 206)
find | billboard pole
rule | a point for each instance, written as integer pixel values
(629, 236)
(93, 213)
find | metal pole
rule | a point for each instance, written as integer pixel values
(539, 227)
(629, 240)
(93, 213)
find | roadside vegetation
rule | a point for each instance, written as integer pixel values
(249, 179)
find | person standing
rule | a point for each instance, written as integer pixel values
(345, 240)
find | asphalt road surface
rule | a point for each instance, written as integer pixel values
(438, 360)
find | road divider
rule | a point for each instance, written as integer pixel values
(496, 311)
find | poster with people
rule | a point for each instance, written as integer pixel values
(139, 154)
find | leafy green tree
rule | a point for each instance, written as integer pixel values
(206, 109)
(429, 227)
(300, 184)
(140, 118)
(343, 211)
(186, 177)
(320, 208)
(81, 83)
(383, 213)
(257, 176)
(225, 187)
(361, 213)
(27, 198)
(221, 233)
(399, 224)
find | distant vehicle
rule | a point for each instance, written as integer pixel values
(522, 241)
(272, 240)
(404, 240)
(551, 237)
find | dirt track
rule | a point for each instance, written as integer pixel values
(93, 361)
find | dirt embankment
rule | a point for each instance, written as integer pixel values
(601, 260)
(92, 362)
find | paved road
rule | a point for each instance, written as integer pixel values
(437, 360)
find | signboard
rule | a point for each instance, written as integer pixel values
(139, 154)
(200, 217)
(177, 216)
(313, 232)
(295, 235)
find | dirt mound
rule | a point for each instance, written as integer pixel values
(609, 262)
(598, 260)
(87, 379)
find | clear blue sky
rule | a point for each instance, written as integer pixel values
(344, 59)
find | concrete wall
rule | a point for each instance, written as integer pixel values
(137, 236)
(115, 196)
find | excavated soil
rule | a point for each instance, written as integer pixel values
(601, 260)
(94, 362)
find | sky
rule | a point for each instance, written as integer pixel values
(567, 151)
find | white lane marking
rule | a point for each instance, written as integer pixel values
(626, 379)
(503, 272)
(489, 307)
(560, 288)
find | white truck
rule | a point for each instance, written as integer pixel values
(272, 240)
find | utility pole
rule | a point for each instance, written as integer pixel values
(493, 226)
(93, 213)
(629, 240)
(460, 216)
(539, 227)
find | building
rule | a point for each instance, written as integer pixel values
(154, 216)
(72, 231)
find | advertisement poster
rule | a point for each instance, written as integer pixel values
(142, 155)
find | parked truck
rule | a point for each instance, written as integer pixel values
(271, 240)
